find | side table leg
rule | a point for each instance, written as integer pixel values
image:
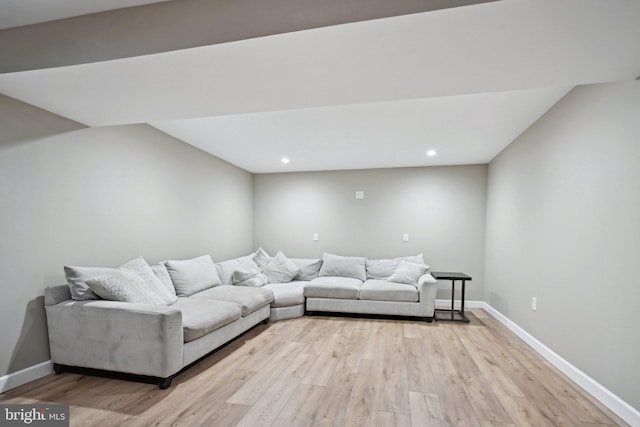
(453, 293)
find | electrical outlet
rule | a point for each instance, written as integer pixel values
(534, 304)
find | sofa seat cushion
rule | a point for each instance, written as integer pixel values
(287, 294)
(250, 299)
(382, 290)
(202, 316)
(333, 287)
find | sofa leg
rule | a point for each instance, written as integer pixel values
(165, 383)
(429, 319)
(57, 369)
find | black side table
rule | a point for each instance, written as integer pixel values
(438, 275)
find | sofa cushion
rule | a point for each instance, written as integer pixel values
(343, 266)
(383, 268)
(408, 273)
(192, 275)
(249, 299)
(383, 290)
(309, 268)
(280, 269)
(226, 268)
(333, 287)
(202, 316)
(287, 294)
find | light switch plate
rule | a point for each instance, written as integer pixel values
(315, 236)
(405, 237)
(359, 195)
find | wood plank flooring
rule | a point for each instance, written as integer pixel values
(342, 371)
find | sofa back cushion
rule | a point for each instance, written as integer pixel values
(309, 268)
(383, 268)
(193, 275)
(343, 266)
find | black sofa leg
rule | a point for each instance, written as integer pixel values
(165, 383)
(429, 319)
(58, 369)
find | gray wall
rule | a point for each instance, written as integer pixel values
(563, 225)
(101, 196)
(441, 208)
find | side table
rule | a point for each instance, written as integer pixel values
(438, 275)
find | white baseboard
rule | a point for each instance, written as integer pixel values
(32, 373)
(591, 386)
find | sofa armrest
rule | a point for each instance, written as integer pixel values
(123, 337)
(427, 289)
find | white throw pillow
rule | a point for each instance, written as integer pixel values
(309, 268)
(343, 266)
(226, 268)
(193, 275)
(408, 273)
(77, 278)
(142, 269)
(126, 286)
(261, 258)
(280, 269)
(249, 276)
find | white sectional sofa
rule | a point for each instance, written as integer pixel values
(153, 321)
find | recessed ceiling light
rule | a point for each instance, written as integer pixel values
(431, 153)
(284, 160)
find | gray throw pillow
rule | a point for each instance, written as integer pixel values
(408, 273)
(193, 275)
(163, 275)
(343, 266)
(383, 268)
(309, 268)
(125, 286)
(280, 269)
(77, 278)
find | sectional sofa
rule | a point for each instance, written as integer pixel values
(154, 321)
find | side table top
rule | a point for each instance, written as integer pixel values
(440, 275)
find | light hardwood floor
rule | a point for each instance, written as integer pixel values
(340, 371)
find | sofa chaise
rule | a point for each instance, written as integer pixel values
(153, 321)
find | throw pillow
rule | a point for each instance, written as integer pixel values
(383, 268)
(77, 278)
(249, 276)
(408, 273)
(193, 275)
(261, 258)
(226, 268)
(142, 269)
(343, 266)
(126, 286)
(309, 268)
(280, 269)
(163, 275)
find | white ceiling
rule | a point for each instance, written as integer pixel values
(463, 81)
